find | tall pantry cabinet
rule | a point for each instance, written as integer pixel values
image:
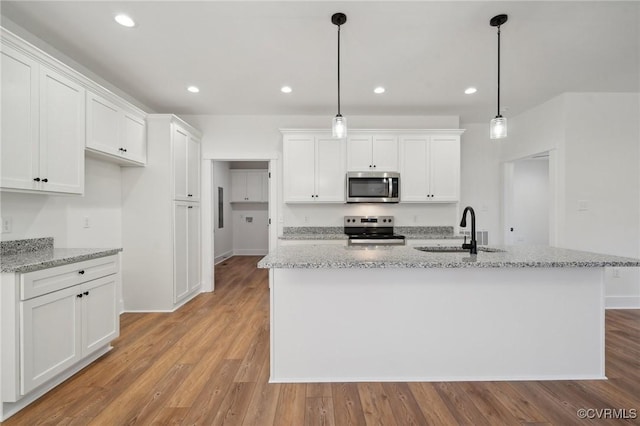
(161, 219)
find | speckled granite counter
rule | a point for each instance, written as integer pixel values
(38, 253)
(321, 256)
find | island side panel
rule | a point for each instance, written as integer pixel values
(348, 325)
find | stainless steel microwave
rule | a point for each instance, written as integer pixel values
(373, 187)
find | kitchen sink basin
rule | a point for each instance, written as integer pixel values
(456, 249)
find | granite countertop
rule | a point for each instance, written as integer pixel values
(331, 256)
(38, 253)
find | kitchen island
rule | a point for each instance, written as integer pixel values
(347, 314)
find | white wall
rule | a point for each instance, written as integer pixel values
(62, 217)
(480, 180)
(223, 237)
(250, 229)
(595, 139)
(603, 169)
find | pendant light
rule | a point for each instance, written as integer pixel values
(339, 122)
(498, 127)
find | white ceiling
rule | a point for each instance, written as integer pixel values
(424, 52)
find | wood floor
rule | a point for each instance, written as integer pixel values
(208, 364)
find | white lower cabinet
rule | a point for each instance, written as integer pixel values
(58, 329)
(55, 321)
(186, 251)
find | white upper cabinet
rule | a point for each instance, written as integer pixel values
(42, 127)
(61, 133)
(430, 168)
(249, 186)
(372, 153)
(186, 164)
(115, 131)
(314, 168)
(20, 112)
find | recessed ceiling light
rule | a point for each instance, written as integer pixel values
(193, 89)
(470, 90)
(125, 20)
(378, 90)
(286, 89)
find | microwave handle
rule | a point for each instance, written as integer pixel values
(390, 187)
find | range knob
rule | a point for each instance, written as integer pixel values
(384, 220)
(390, 220)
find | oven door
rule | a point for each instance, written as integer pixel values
(373, 187)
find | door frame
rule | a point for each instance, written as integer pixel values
(555, 202)
(207, 243)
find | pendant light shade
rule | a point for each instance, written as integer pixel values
(339, 125)
(498, 126)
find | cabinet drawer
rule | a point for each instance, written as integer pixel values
(45, 281)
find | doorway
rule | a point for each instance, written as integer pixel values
(527, 208)
(238, 215)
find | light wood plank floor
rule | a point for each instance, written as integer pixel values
(208, 364)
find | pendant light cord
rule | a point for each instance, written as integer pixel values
(338, 69)
(499, 72)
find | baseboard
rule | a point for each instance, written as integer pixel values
(622, 302)
(250, 252)
(222, 257)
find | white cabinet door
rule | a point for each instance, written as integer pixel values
(134, 137)
(359, 153)
(385, 153)
(249, 186)
(444, 168)
(368, 153)
(103, 125)
(255, 184)
(414, 168)
(430, 168)
(50, 338)
(330, 170)
(62, 133)
(193, 169)
(100, 319)
(114, 130)
(299, 159)
(179, 141)
(20, 140)
(238, 186)
(193, 244)
(180, 251)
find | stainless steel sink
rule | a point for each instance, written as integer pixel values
(456, 249)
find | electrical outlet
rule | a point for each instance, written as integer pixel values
(7, 225)
(86, 223)
(615, 273)
(306, 219)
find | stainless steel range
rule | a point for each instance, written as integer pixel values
(371, 230)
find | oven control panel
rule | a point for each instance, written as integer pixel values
(368, 221)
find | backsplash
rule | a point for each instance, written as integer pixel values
(312, 230)
(8, 248)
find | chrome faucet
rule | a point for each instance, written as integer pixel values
(473, 245)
